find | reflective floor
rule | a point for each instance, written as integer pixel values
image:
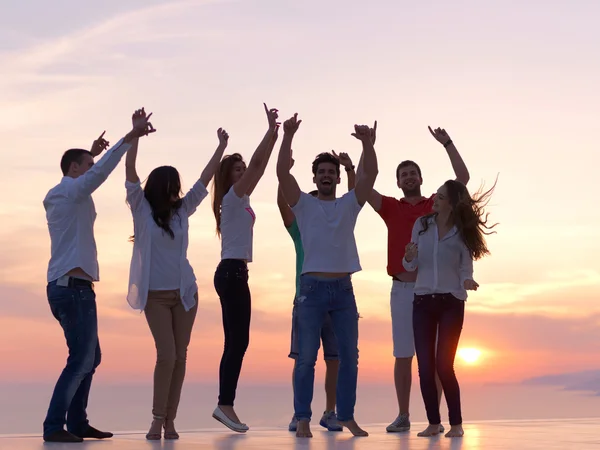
(577, 434)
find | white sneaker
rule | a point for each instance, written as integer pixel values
(329, 421)
(401, 424)
(219, 415)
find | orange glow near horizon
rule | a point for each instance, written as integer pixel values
(470, 356)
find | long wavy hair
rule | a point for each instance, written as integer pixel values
(222, 182)
(163, 185)
(468, 216)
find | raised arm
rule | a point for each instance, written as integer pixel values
(346, 163)
(261, 170)
(287, 215)
(198, 192)
(260, 158)
(91, 180)
(458, 165)
(375, 197)
(369, 170)
(287, 183)
(131, 174)
(213, 165)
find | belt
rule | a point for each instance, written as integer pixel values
(72, 282)
(395, 278)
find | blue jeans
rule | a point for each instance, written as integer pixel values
(75, 309)
(438, 316)
(330, 345)
(317, 298)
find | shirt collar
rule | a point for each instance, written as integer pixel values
(448, 235)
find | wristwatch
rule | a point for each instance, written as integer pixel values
(348, 169)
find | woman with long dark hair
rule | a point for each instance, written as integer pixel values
(234, 182)
(444, 245)
(161, 280)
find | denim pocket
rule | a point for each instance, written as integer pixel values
(305, 289)
(418, 301)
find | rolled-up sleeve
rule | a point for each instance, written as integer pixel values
(194, 197)
(135, 195)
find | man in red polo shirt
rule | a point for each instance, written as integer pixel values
(400, 216)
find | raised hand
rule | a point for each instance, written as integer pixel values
(470, 285)
(141, 126)
(440, 135)
(223, 137)
(343, 158)
(99, 145)
(362, 133)
(272, 115)
(411, 251)
(291, 125)
(373, 132)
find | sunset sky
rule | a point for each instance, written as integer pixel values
(513, 83)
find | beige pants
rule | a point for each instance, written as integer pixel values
(171, 327)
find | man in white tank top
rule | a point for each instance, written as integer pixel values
(326, 225)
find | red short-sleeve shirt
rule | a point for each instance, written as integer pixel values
(400, 217)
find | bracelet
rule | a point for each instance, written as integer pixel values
(448, 143)
(348, 169)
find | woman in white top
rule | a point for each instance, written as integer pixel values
(161, 279)
(235, 221)
(444, 245)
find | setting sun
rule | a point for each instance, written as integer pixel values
(469, 355)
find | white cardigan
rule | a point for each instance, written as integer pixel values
(139, 270)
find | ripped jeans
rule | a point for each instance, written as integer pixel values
(317, 298)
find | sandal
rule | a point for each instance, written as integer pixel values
(170, 435)
(155, 436)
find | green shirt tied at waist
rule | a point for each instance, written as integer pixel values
(295, 235)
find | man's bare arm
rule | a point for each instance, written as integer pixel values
(287, 215)
(370, 170)
(375, 197)
(287, 182)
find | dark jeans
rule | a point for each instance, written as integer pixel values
(75, 309)
(438, 315)
(231, 284)
(318, 298)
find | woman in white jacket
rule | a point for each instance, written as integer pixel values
(161, 279)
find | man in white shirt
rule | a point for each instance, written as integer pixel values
(326, 226)
(72, 269)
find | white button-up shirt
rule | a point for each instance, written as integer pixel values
(70, 213)
(139, 269)
(444, 264)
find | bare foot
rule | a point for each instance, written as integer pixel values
(354, 428)
(155, 431)
(229, 412)
(455, 431)
(303, 429)
(431, 430)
